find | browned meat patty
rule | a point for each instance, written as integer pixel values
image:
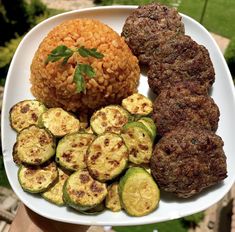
(187, 160)
(179, 105)
(146, 24)
(180, 59)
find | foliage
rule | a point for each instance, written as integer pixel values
(168, 226)
(3, 177)
(193, 220)
(131, 2)
(230, 56)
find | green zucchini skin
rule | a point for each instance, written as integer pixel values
(138, 141)
(138, 192)
(59, 122)
(94, 211)
(34, 146)
(55, 193)
(71, 150)
(37, 179)
(26, 113)
(138, 104)
(109, 119)
(82, 192)
(107, 157)
(150, 125)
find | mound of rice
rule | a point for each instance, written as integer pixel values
(117, 73)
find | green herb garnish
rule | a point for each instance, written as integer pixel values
(81, 70)
(59, 53)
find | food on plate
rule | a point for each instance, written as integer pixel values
(33, 146)
(139, 142)
(178, 60)
(82, 192)
(71, 150)
(94, 211)
(150, 125)
(138, 104)
(112, 200)
(187, 160)
(115, 76)
(55, 193)
(109, 119)
(148, 23)
(106, 157)
(36, 179)
(26, 113)
(176, 107)
(59, 122)
(138, 191)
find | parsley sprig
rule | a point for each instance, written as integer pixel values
(81, 70)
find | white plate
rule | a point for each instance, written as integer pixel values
(18, 88)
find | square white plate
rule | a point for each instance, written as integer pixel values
(17, 88)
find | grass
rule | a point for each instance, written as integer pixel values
(219, 15)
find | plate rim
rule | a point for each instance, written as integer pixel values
(146, 220)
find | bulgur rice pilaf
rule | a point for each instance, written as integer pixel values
(117, 73)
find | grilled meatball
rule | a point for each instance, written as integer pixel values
(187, 160)
(146, 24)
(179, 105)
(180, 59)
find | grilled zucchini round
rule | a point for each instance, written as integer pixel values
(150, 125)
(37, 179)
(55, 193)
(82, 192)
(71, 150)
(109, 119)
(107, 157)
(59, 122)
(112, 200)
(138, 104)
(139, 142)
(26, 113)
(138, 192)
(34, 146)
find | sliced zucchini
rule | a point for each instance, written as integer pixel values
(34, 146)
(150, 125)
(59, 122)
(138, 104)
(107, 157)
(112, 200)
(26, 113)
(138, 192)
(94, 211)
(37, 179)
(55, 193)
(82, 192)
(71, 150)
(139, 142)
(109, 119)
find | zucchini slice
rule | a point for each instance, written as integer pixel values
(138, 192)
(112, 200)
(34, 146)
(82, 192)
(138, 104)
(55, 193)
(26, 113)
(139, 142)
(109, 119)
(37, 179)
(107, 157)
(94, 211)
(150, 125)
(71, 150)
(59, 122)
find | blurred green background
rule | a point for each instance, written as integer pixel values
(17, 17)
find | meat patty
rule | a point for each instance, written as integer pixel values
(187, 160)
(146, 24)
(179, 105)
(180, 59)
